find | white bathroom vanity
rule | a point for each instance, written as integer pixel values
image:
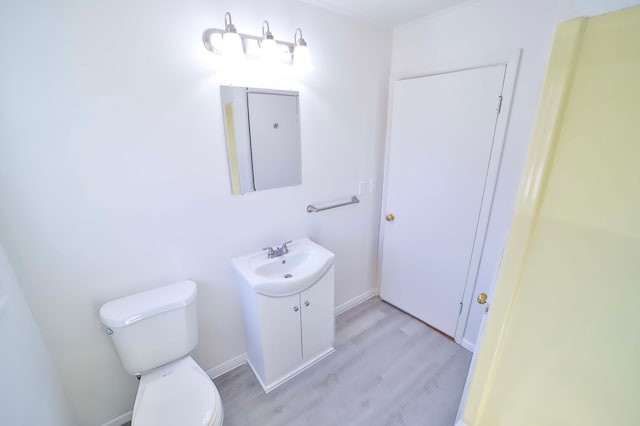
(288, 309)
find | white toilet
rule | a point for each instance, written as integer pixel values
(154, 332)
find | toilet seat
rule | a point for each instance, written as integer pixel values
(177, 394)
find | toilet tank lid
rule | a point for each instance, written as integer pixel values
(130, 309)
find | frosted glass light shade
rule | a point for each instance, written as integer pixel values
(232, 46)
(269, 51)
(302, 59)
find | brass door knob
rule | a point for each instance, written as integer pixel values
(390, 217)
(482, 298)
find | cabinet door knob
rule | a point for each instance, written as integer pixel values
(307, 303)
(295, 308)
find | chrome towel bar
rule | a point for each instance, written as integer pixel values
(312, 209)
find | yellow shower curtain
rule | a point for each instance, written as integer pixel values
(562, 343)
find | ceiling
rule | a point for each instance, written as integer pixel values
(387, 13)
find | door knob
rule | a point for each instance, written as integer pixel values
(482, 298)
(390, 217)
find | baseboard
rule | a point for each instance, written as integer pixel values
(355, 301)
(468, 346)
(120, 420)
(227, 366)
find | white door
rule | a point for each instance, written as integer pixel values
(442, 132)
(317, 317)
(275, 140)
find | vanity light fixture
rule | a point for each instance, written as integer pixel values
(235, 47)
(301, 57)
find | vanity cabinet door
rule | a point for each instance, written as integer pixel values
(317, 316)
(280, 330)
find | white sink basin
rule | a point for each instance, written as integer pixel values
(284, 275)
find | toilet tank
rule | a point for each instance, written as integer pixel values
(153, 328)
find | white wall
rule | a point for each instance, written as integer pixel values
(479, 28)
(113, 172)
(30, 390)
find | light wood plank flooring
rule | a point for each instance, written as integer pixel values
(389, 369)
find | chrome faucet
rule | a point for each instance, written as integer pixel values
(278, 251)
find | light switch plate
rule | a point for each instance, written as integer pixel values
(373, 185)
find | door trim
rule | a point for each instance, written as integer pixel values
(511, 61)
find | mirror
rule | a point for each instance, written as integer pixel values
(262, 132)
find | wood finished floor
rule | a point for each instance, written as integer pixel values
(389, 369)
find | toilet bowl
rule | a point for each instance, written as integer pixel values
(179, 393)
(154, 332)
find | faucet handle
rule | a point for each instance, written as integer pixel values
(284, 246)
(271, 253)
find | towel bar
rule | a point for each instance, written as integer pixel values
(313, 209)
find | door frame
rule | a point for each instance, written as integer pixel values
(511, 60)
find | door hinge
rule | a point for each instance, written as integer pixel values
(460, 313)
(499, 104)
